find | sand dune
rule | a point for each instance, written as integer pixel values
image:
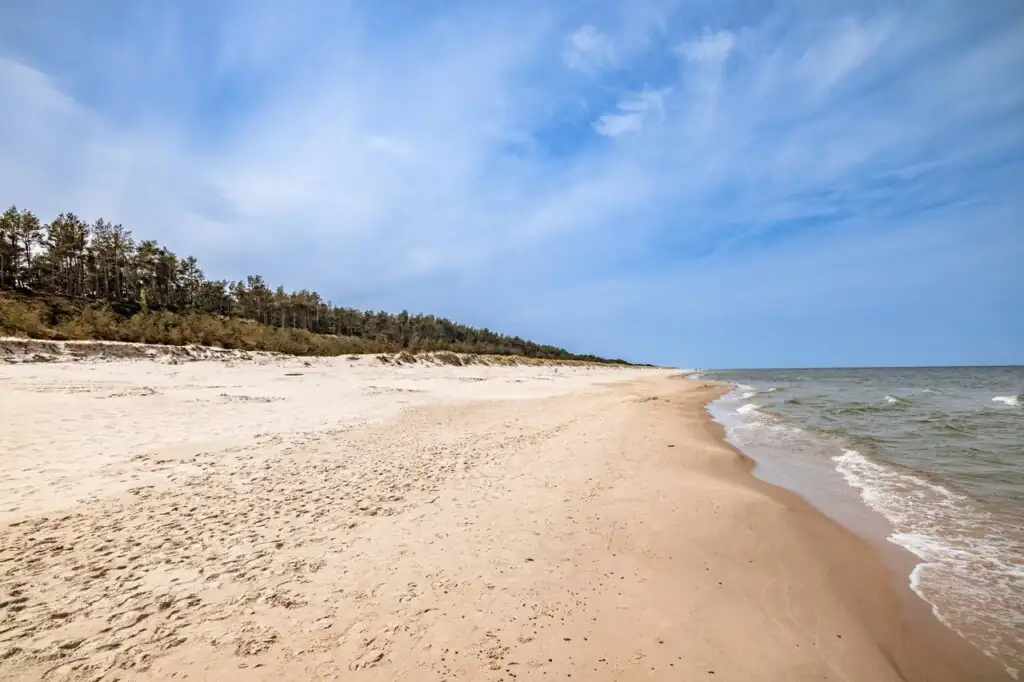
(269, 518)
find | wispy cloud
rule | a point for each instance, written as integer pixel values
(587, 49)
(633, 110)
(593, 170)
(710, 48)
(849, 44)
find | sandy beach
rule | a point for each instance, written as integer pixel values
(254, 517)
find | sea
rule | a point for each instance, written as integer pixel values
(930, 459)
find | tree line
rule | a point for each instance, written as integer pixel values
(102, 263)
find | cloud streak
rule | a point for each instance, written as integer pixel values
(631, 113)
(587, 49)
(594, 170)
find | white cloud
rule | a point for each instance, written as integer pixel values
(418, 169)
(362, 151)
(710, 48)
(634, 110)
(613, 125)
(848, 46)
(587, 49)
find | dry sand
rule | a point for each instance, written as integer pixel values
(265, 518)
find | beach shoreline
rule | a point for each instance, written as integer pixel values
(872, 530)
(804, 448)
(346, 519)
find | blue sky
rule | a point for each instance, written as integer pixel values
(703, 183)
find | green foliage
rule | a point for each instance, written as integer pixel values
(72, 280)
(56, 318)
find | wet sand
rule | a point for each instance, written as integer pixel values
(267, 518)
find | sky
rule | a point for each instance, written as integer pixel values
(698, 183)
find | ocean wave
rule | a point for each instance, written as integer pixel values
(859, 408)
(754, 419)
(953, 428)
(970, 570)
(747, 408)
(887, 404)
(744, 420)
(1011, 400)
(744, 392)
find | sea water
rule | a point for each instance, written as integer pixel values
(937, 452)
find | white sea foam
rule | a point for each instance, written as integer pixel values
(749, 416)
(745, 392)
(748, 408)
(969, 572)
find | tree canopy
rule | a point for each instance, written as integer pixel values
(132, 286)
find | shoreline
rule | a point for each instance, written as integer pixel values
(297, 519)
(799, 464)
(896, 560)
